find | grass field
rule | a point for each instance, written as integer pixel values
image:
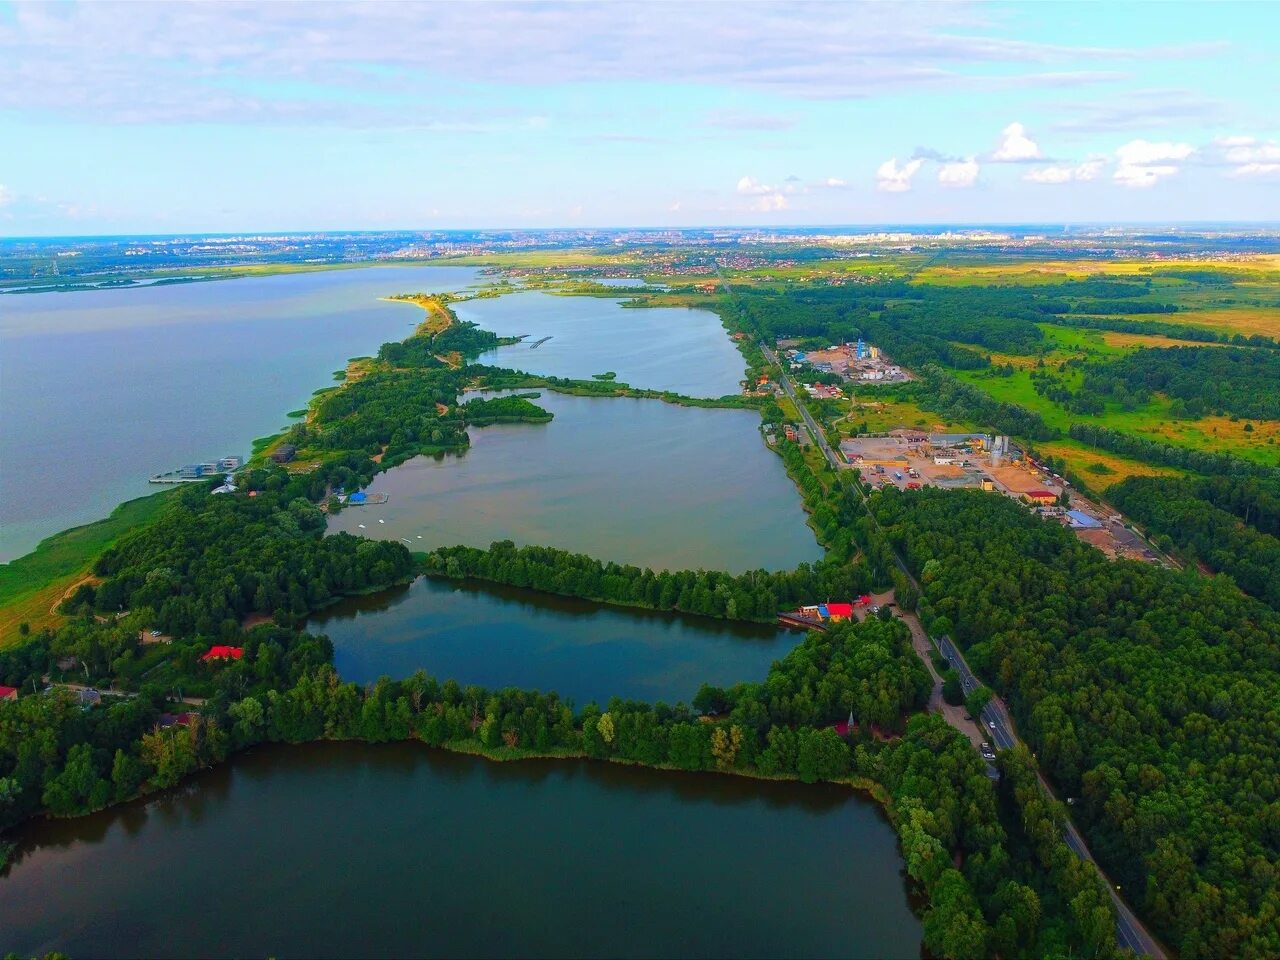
(1246, 320)
(1030, 272)
(32, 585)
(1151, 420)
(881, 416)
(1081, 457)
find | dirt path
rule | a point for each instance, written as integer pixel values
(89, 578)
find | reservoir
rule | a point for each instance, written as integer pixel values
(660, 348)
(103, 388)
(498, 636)
(633, 481)
(351, 850)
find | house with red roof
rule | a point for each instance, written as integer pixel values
(1042, 497)
(223, 653)
(840, 611)
(8, 693)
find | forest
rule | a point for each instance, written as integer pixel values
(1148, 694)
(1224, 380)
(1182, 515)
(757, 595)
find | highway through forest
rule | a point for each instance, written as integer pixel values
(995, 719)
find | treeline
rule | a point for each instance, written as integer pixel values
(1180, 516)
(953, 399)
(1124, 306)
(1166, 454)
(501, 378)
(1199, 379)
(757, 595)
(1148, 694)
(480, 411)
(1179, 331)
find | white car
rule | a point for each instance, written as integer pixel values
(991, 724)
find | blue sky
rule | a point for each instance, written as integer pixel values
(156, 118)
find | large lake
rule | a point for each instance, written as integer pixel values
(662, 348)
(346, 850)
(634, 481)
(101, 389)
(498, 636)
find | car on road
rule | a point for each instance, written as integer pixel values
(987, 752)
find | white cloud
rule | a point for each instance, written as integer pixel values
(833, 183)
(770, 203)
(1141, 163)
(1249, 156)
(890, 178)
(234, 62)
(963, 173)
(1015, 146)
(1090, 169)
(768, 199)
(6, 195)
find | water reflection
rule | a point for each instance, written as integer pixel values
(356, 850)
(499, 636)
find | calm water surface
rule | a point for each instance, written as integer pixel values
(634, 481)
(661, 348)
(101, 389)
(506, 637)
(396, 850)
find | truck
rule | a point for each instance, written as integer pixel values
(913, 485)
(897, 475)
(913, 473)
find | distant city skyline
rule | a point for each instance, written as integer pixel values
(186, 118)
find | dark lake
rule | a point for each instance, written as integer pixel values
(348, 850)
(506, 637)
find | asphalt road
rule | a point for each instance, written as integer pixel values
(815, 431)
(995, 718)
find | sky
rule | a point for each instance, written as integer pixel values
(168, 117)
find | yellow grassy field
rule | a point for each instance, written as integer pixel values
(37, 609)
(1055, 271)
(883, 416)
(1124, 340)
(1220, 433)
(1245, 320)
(1080, 457)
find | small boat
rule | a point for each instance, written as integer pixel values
(382, 521)
(360, 525)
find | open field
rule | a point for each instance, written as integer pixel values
(1151, 420)
(1244, 320)
(1031, 272)
(881, 416)
(31, 585)
(1081, 457)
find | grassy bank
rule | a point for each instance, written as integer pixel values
(32, 586)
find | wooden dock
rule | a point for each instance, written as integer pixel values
(794, 621)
